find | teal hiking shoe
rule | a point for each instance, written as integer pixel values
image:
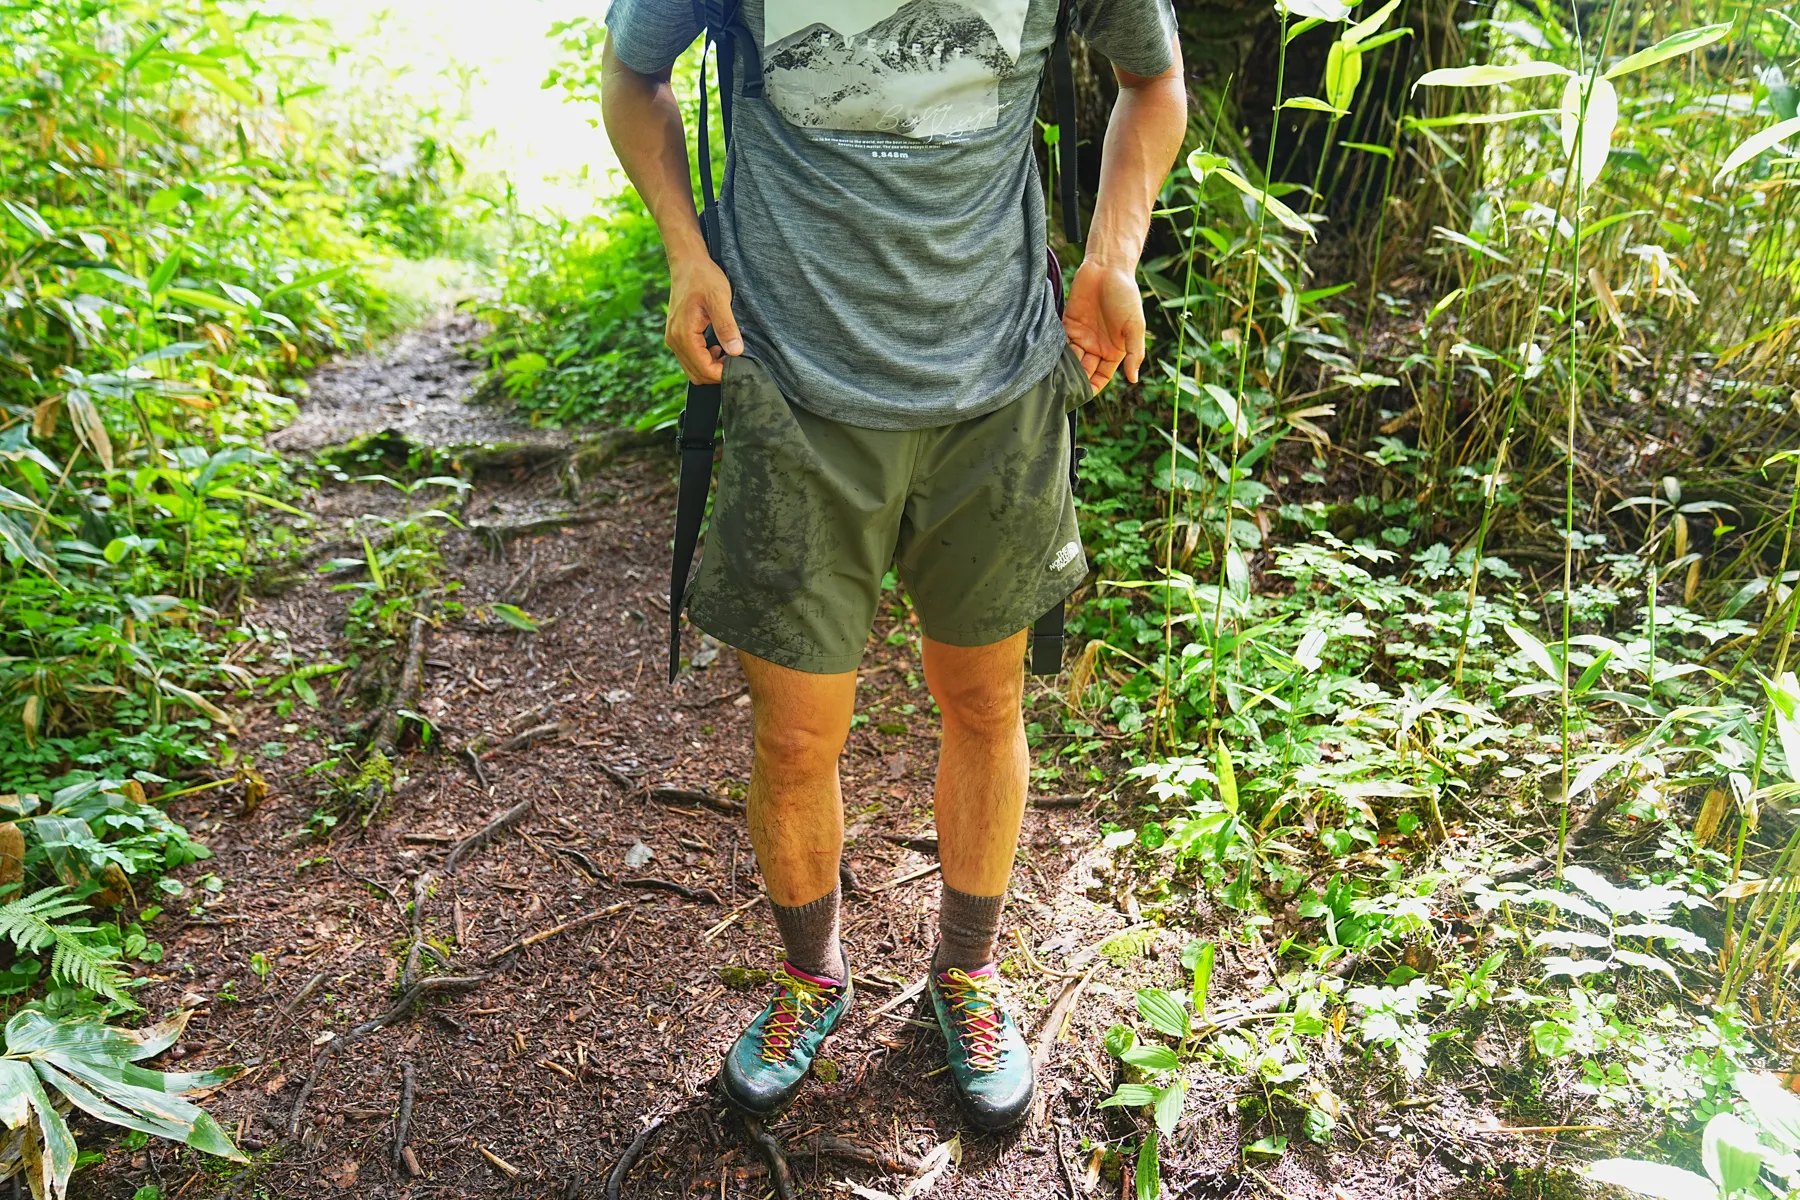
(769, 1061)
(989, 1061)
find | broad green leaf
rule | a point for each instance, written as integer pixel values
(1130, 1095)
(1151, 1058)
(1313, 104)
(234, 493)
(517, 617)
(196, 701)
(1675, 44)
(1162, 1012)
(1228, 789)
(1203, 970)
(165, 274)
(1475, 118)
(1488, 75)
(1776, 1109)
(1648, 962)
(302, 284)
(1318, 10)
(1343, 72)
(1684, 939)
(15, 1101)
(194, 298)
(1168, 1107)
(1536, 651)
(1591, 126)
(1202, 164)
(18, 538)
(1149, 1170)
(1652, 1179)
(29, 218)
(1361, 31)
(1731, 1152)
(1229, 404)
(1756, 143)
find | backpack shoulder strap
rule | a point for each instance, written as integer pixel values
(1068, 141)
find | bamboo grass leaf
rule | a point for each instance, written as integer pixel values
(1685, 42)
(1755, 144)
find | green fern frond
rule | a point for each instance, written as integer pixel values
(29, 922)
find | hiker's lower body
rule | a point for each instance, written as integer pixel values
(979, 520)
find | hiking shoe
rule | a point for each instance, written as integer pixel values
(769, 1061)
(989, 1061)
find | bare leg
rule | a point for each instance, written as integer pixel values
(982, 763)
(795, 806)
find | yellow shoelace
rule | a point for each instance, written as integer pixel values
(976, 1003)
(798, 1003)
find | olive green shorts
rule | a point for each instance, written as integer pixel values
(810, 513)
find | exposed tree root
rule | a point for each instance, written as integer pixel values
(704, 895)
(673, 795)
(403, 1122)
(770, 1146)
(483, 836)
(402, 1006)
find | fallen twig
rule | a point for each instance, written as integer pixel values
(872, 1156)
(481, 837)
(1060, 1013)
(548, 731)
(1072, 801)
(731, 917)
(673, 795)
(399, 904)
(402, 1006)
(496, 1160)
(910, 992)
(403, 1122)
(617, 776)
(632, 1153)
(704, 895)
(468, 755)
(733, 694)
(587, 865)
(581, 922)
(771, 1149)
(922, 872)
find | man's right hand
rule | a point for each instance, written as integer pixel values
(700, 296)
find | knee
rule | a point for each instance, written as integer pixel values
(798, 747)
(985, 707)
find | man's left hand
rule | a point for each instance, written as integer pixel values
(1105, 322)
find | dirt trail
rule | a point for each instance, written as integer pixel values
(536, 1078)
(553, 1064)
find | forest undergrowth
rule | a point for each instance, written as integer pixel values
(1444, 581)
(1437, 648)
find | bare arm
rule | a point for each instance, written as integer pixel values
(643, 121)
(1105, 314)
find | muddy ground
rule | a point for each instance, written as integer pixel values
(535, 1077)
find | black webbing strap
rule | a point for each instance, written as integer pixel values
(1068, 142)
(700, 418)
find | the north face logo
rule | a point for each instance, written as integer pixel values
(1066, 555)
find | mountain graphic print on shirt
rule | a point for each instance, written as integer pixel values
(926, 69)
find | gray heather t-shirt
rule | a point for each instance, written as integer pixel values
(883, 219)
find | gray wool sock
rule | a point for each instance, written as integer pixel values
(811, 932)
(968, 930)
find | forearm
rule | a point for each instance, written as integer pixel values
(1148, 123)
(643, 121)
